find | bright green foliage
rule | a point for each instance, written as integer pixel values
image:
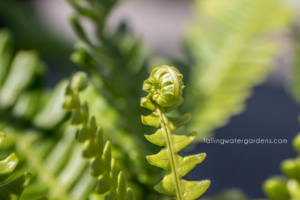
(103, 166)
(13, 189)
(165, 94)
(282, 188)
(35, 114)
(233, 43)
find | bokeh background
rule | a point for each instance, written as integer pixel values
(271, 112)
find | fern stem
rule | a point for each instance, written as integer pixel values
(47, 177)
(164, 122)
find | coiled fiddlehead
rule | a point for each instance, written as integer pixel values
(165, 93)
(103, 166)
(283, 188)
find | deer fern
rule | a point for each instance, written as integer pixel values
(165, 93)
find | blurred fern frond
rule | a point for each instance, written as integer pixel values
(30, 114)
(13, 189)
(115, 62)
(103, 166)
(23, 98)
(233, 44)
(56, 164)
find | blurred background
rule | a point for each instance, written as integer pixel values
(271, 112)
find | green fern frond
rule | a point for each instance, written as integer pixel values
(114, 59)
(13, 189)
(288, 187)
(103, 166)
(56, 164)
(21, 91)
(233, 44)
(165, 94)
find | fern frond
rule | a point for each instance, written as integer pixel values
(286, 188)
(21, 91)
(113, 59)
(103, 166)
(165, 94)
(56, 165)
(233, 44)
(13, 189)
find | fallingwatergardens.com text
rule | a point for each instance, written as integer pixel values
(244, 141)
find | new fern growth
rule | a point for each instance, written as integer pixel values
(165, 88)
(103, 166)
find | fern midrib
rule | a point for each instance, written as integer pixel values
(236, 39)
(35, 162)
(163, 120)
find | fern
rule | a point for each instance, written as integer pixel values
(13, 189)
(22, 97)
(102, 165)
(165, 94)
(286, 188)
(29, 117)
(233, 44)
(114, 59)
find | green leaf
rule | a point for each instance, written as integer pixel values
(7, 166)
(188, 163)
(160, 160)
(157, 138)
(166, 186)
(194, 189)
(13, 189)
(151, 120)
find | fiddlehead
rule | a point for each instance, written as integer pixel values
(165, 94)
(283, 188)
(103, 166)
